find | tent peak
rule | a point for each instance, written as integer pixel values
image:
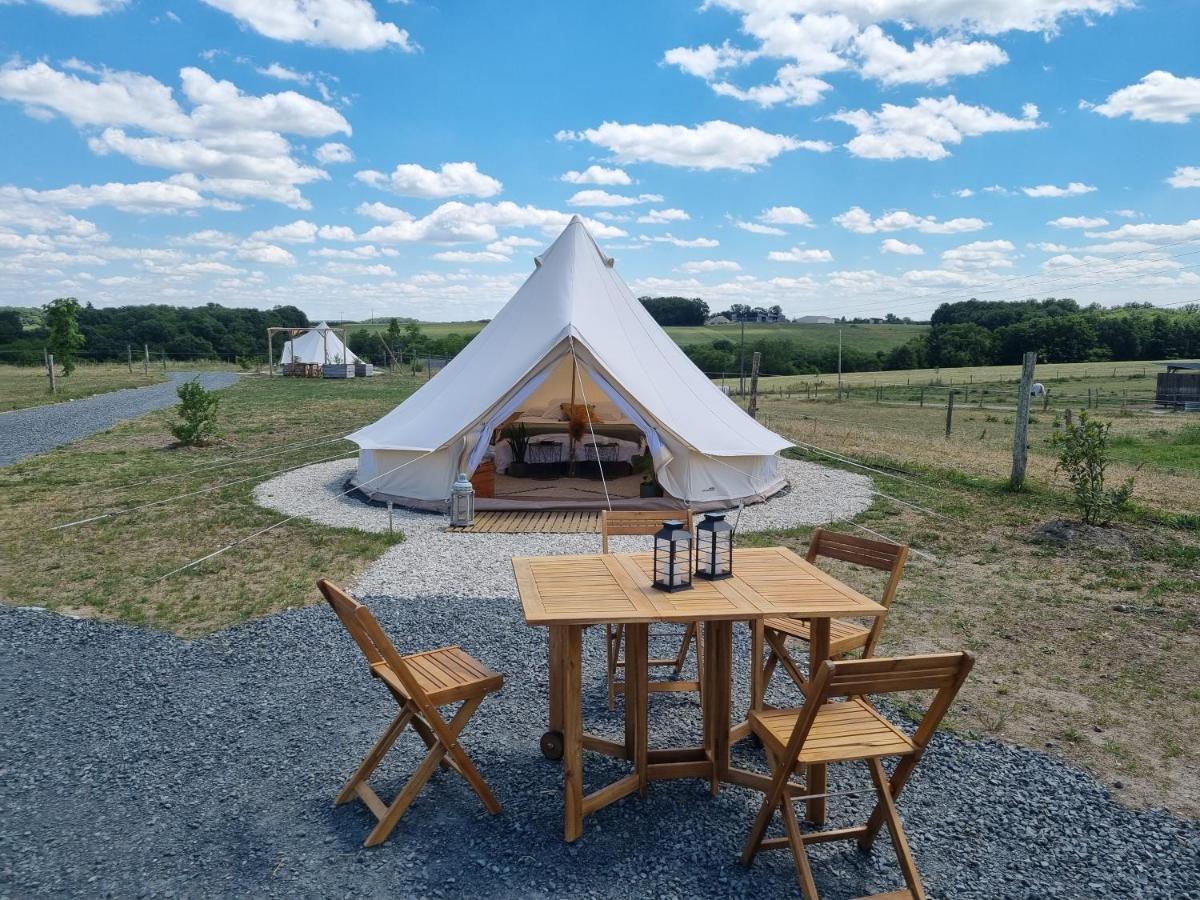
(576, 220)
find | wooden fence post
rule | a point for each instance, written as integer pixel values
(50, 372)
(146, 359)
(922, 397)
(1021, 427)
(755, 361)
(949, 413)
(129, 357)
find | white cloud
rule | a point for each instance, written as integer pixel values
(708, 146)
(508, 244)
(709, 265)
(345, 24)
(467, 256)
(790, 86)
(892, 245)
(597, 175)
(1185, 177)
(662, 216)
(934, 63)
(298, 232)
(997, 189)
(800, 254)
(1158, 97)
(706, 61)
(1077, 222)
(1048, 247)
(283, 73)
(604, 198)
(979, 255)
(669, 238)
(266, 253)
(233, 138)
(923, 130)
(83, 7)
(333, 153)
(964, 193)
(1153, 231)
(457, 222)
(859, 221)
(1073, 189)
(456, 179)
(785, 215)
(756, 228)
(140, 197)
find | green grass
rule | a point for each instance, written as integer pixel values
(1177, 450)
(24, 386)
(110, 569)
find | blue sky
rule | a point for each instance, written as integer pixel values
(852, 157)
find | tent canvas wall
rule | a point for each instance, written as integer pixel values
(573, 323)
(319, 345)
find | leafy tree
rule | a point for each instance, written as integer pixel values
(676, 310)
(964, 344)
(65, 338)
(197, 410)
(1083, 457)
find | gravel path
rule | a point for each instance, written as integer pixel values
(28, 432)
(134, 764)
(432, 561)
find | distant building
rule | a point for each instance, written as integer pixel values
(815, 320)
(771, 318)
(1179, 386)
(717, 320)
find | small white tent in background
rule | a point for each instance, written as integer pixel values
(572, 334)
(318, 346)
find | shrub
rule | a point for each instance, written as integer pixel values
(1083, 458)
(198, 415)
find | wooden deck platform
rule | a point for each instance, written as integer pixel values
(547, 522)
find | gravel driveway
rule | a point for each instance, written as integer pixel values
(135, 764)
(28, 432)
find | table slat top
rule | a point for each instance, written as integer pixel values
(616, 588)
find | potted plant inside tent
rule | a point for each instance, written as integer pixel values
(518, 440)
(644, 466)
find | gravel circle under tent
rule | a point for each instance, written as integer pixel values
(133, 763)
(36, 429)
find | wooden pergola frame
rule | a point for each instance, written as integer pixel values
(291, 333)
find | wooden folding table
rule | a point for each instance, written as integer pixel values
(569, 593)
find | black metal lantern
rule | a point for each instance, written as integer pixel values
(673, 556)
(714, 547)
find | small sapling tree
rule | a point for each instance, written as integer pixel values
(197, 410)
(1083, 457)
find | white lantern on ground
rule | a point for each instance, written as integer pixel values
(462, 502)
(673, 556)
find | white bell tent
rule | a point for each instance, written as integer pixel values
(572, 334)
(320, 346)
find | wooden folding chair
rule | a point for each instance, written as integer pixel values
(639, 521)
(823, 732)
(420, 683)
(844, 636)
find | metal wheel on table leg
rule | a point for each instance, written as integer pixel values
(552, 745)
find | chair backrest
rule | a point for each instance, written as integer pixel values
(863, 552)
(347, 608)
(940, 672)
(636, 521)
(373, 641)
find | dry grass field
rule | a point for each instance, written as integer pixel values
(23, 386)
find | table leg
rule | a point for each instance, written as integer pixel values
(555, 650)
(637, 695)
(818, 647)
(718, 649)
(757, 688)
(570, 659)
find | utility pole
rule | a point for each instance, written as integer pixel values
(839, 364)
(754, 364)
(1021, 428)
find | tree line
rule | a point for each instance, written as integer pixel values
(203, 332)
(993, 332)
(404, 344)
